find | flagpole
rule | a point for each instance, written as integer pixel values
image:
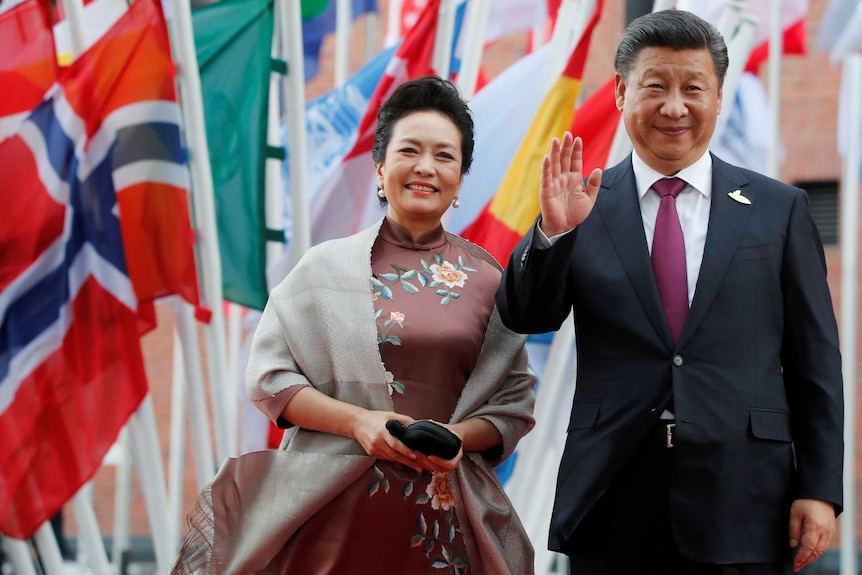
(478, 13)
(776, 48)
(343, 19)
(393, 23)
(291, 25)
(74, 10)
(849, 315)
(441, 60)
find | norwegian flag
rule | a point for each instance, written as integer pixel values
(97, 165)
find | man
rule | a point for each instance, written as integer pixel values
(706, 431)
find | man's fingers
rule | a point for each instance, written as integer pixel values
(576, 163)
(556, 150)
(594, 182)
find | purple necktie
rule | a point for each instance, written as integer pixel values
(668, 256)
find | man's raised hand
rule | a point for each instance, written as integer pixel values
(563, 198)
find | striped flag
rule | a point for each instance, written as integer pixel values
(28, 66)
(515, 206)
(95, 222)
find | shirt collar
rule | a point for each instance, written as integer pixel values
(698, 175)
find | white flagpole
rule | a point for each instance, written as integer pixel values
(370, 35)
(393, 23)
(223, 396)
(122, 501)
(343, 21)
(18, 553)
(88, 529)
(478, 13)
(441, 59)
(146, 454)
(75, 16)
(49, 550)
(849, 294)
(776, 49)
(290, 19)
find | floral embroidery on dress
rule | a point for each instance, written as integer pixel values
(433, 275)
(396, 318)
(440, 535)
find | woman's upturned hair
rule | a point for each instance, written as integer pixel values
(427, 93)
(675, 29)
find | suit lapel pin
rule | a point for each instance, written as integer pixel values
(737, 195)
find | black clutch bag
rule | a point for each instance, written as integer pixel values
(426, 437)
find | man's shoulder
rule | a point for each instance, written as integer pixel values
(748, 176)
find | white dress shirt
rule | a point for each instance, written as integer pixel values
(692, 207)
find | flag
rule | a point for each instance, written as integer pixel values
(596, 122)
(346, 200)
(233, 41)
(841, 28)
(96, 159)
(28, 67)
(744, 139)
(316, 28)
(792, 18)
(312, 8)
(509, 215)
(502, 112)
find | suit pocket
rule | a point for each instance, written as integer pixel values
(584, 414)
(749, 253)
(770, 424)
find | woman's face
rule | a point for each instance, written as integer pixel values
(421, 171)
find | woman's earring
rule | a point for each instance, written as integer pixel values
(455, 203)
(380, 193)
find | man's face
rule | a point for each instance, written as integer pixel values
(670, 103)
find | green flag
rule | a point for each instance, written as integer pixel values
(312, 8)
(233, 40)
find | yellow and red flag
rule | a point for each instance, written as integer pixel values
(512, 210)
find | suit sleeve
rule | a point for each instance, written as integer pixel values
(811, 362)
(533, 296)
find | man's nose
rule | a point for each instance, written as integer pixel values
(674, 105)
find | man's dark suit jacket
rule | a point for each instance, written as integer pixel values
(755, 376)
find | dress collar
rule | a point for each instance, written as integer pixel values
(396, 234)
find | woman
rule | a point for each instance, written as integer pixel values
(395, 322)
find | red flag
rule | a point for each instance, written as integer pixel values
(28, 66)
(596, 123)
(96, 163)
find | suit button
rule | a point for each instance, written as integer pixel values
(677, 360)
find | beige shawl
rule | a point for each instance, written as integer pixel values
(317, 329)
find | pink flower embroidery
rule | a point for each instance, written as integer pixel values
(440, 491)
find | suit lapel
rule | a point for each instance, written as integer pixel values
(727, 220)
(620, 211)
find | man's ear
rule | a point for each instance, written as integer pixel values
(619, 91)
